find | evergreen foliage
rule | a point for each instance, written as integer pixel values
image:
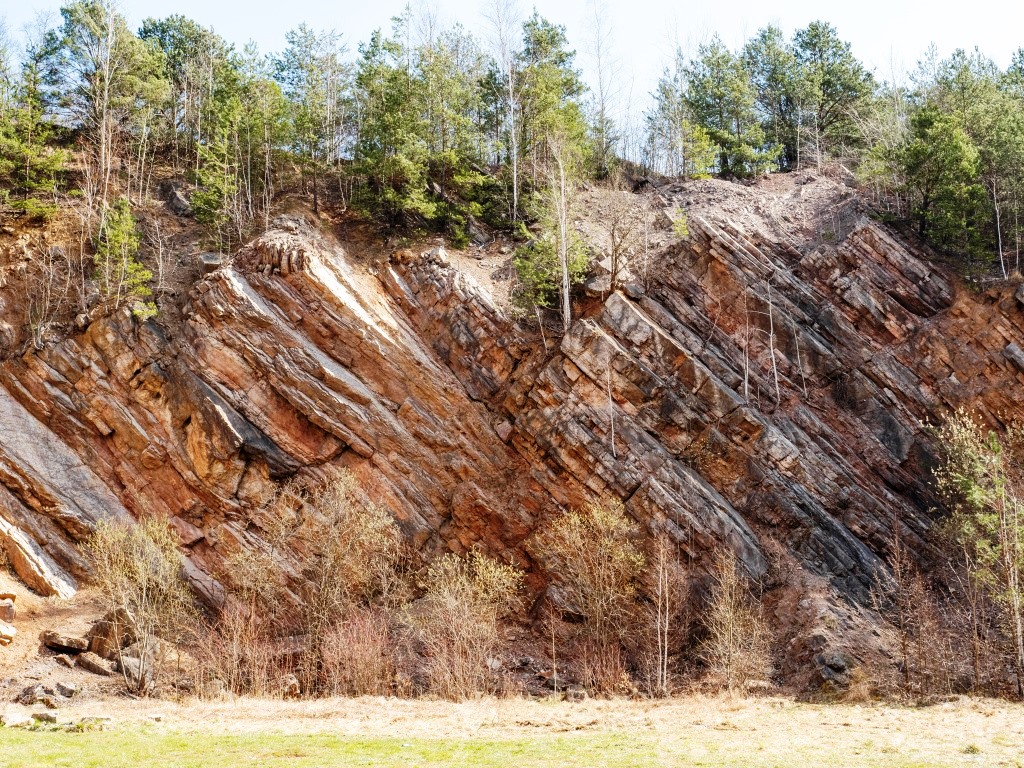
(983, 475)
(422, 129)
(721, 98)
(122, 278)
(30, 164)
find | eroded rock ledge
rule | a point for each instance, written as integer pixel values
(765, 389)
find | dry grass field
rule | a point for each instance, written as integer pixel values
(695, 731)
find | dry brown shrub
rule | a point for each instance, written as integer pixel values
(596, 562)
(240, 654)
(139, 572)
(353, 552)
(457, 622)
(862, 687)
(737, 647)
(359, 656)
(920, 633)
(325, 554)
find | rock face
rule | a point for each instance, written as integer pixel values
(763, 388)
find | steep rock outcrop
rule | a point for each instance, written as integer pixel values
(764, 389)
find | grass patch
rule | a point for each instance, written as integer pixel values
(130, 748)
(690, 732)
(122, 748)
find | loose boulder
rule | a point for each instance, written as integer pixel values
(110, 634)
(67, 690)
(90, 662)
(137, 674)
(211, 262)
(63, 643)
(7, 610)
(15, 720)
(175, 200)
(7, 633)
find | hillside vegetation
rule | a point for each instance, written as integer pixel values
(427, 128)
(747, 417)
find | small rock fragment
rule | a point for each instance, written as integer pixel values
(503, 429)
(15, 720)
(31, 694)
(633, 290)
(1015, 355)
(598, 286)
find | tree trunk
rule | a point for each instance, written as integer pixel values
(563, 244)
(999, 231)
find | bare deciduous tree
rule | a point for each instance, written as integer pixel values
(596, 561)
(667, 619)
(626, 221)
(505, 20)
(737, 648)
(140, 575)
(605, 91)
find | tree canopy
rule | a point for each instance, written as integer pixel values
(430, 128)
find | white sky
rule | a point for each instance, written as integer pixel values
(888, 35)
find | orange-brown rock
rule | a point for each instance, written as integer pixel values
(763, 387)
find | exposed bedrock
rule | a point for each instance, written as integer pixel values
(766, 388)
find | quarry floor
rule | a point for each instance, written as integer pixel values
(691, 731)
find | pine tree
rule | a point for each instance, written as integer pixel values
(721, 98)
(215, 201)
(99, 74)
(30, 166)
(551, 93)
(942, 166)
(201, 73)
(833, 83)
(676, 145)
(776, 81)
(391, 151)
(315, 81)
(122, 278)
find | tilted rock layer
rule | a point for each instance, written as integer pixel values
(764, 385)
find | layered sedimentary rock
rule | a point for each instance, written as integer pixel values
(766, 386)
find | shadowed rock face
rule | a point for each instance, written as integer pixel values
(764, 389)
